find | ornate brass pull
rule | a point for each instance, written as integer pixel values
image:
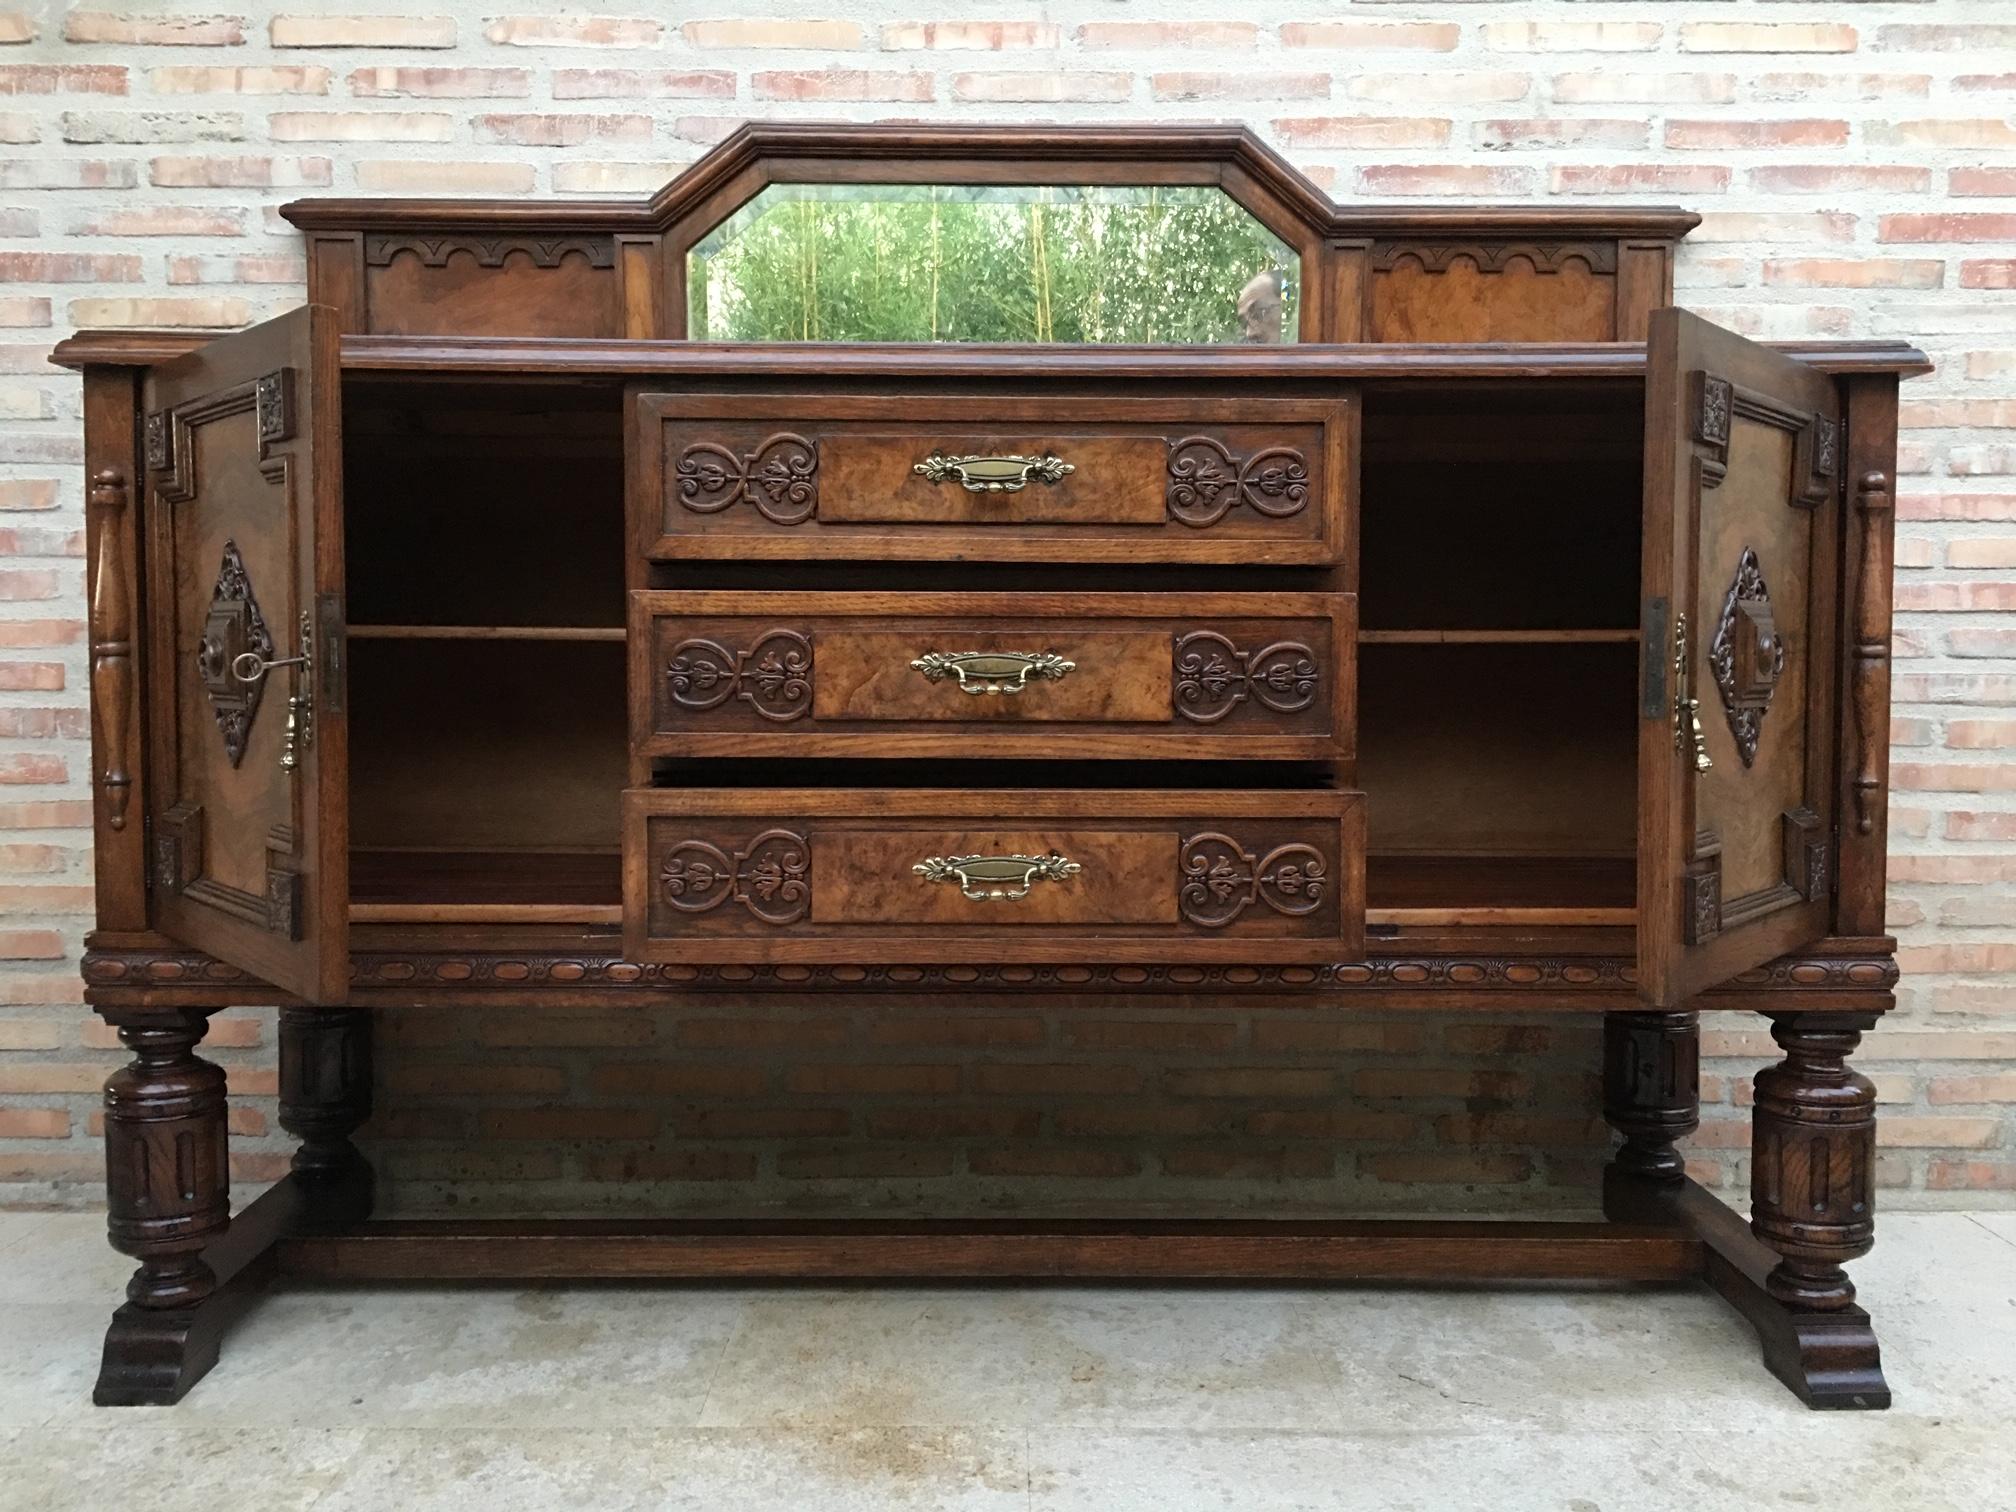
(996, 879)
(992, 671)
(251, 667)
(1686, 707)
(993, 474)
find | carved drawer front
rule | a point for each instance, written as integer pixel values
(947, 875)
(1008, 478)
(1249, 676)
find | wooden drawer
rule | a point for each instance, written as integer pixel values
(872, 875)
(1246, 676)
(1053, 478)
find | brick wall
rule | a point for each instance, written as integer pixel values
(1857, 167)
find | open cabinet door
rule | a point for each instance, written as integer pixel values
(247, 742)
(1737, 687)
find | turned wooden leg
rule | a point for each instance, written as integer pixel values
(1813, 1160)
(325, 1094)
(1651, 1090)
(167, 1178)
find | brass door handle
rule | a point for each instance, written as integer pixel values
(1687, 733)
(982, 672)
(1009, 474)
(251, 667)
(996, 879)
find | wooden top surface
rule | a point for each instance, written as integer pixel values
(1300, 362)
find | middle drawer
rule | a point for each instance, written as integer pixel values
(1207, 675)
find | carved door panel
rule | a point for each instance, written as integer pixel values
(1738, 691)
(248, 829)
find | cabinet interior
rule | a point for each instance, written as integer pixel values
(484, 557)
(1498, 581)
(1498, 651)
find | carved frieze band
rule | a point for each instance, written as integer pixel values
(1495, 257)
(380, 248)
(1213, 677)
(110, 970)
(1207, 480)
(770, 876)
(1220, 879)
(779, 478)
(1747, 655)
(773, 676)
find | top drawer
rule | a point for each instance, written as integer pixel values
(1050, 478)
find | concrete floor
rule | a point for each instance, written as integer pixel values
(1051, 1400)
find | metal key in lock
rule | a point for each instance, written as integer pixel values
(251, 667)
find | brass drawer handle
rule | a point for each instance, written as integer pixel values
(992, 671)
(993, 474)
(996, 879)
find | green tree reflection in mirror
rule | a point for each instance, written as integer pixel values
(1179, 264)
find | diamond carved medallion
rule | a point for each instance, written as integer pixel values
(233, 627)
(1747, 656)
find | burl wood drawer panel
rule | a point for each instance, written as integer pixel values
(1051, 478)
(877, 875)
(1237, 676)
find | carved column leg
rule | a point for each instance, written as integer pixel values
(1813, 1158)
(1652, 1096)
(167, 1187)
(167, 1178)
(325, 1094)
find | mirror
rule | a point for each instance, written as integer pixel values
(1101, 263)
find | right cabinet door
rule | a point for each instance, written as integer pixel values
(1738, 689)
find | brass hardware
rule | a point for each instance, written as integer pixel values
(992, 671)
(251, 667)
(993, 474)
(1686, 707)
(974, 874)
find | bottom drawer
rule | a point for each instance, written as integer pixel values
(873, 875)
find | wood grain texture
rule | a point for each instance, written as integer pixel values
(715, 876)
(831, 475)
(1247, 676)
(1727, 461)
(112, 522)
(250, 845)
(1003, 1249)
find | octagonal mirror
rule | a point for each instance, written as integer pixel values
(1094, 263)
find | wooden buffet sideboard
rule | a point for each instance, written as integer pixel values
(1393, 609)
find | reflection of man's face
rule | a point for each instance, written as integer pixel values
(1260, 311)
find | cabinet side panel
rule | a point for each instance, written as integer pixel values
(1867, 555)
(112, 526)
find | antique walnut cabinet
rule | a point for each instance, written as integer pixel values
(1389, 609)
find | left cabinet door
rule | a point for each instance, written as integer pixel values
(247, 741)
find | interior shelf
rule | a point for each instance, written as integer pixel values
(394, 885)
(1424, 890)
(612, 633)
(1592, 637)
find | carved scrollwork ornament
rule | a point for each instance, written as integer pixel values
(779, 479)
(1747, 655)
(770, 876)
(1219, 879)
(774, 676)
(1213, 677)
(1207, 479)
(234, 627)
